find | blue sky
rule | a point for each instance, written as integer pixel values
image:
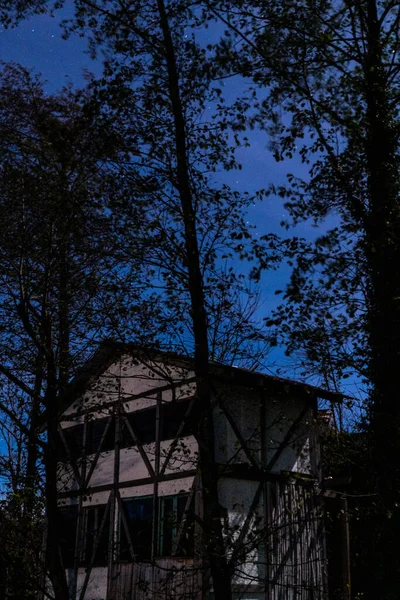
(36, 43)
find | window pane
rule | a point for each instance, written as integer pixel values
(186, 540)
(68, 517)
(167, 525)
(173, 414)
(126, 438)
(74, 438)
(143, 423)
(94, 518)
(95, 432)
(139, 514)
(172, 509)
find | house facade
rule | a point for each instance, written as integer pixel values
(130, 492)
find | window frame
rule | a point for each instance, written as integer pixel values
(68, 531)
(121, 528)
(159, 524)
(176, 527)
(99, 511)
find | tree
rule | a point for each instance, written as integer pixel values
(64, 278)
(330, 71)
(164, 79)
(190, 224)
(151, 34)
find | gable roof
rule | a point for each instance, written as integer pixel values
(109, 351)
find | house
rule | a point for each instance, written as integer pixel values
(130, 491)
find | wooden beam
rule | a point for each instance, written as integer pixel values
(79, 521)
(346, 578)
(96, 457)
(175, 542)
(154, 532)
(117, 449)
(144, 394)
(133, 482)
(234, 471)
(125, 523)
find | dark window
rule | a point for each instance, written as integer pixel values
(172, 417)
(139, 516)
(74, 439)
(143, 424)
(94, 517)
(176, 536)
(126, 439)
(68, 517)
(95, 431)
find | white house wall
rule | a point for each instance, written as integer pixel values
(124, 379)
(131, 465)
(236, 496)
(66, 481)
(297, 454)
(243, 406)
(97, 586)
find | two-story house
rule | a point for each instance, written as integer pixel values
(130, 490)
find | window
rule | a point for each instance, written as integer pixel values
(68, 517)
(139, 516)
(173, 414)
(95, 431)
(74, 439)
(93, 519)
(174, 523)
(144, 423)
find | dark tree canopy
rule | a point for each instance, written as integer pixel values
(328, 77)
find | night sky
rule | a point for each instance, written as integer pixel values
(37, 44)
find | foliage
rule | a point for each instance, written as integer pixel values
(21, 546)
(136, 89)
(326, 78)
(129, 165)
(62, 272)
(309, 62)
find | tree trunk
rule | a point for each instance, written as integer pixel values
(64, 298)
(214, 543)
(383, 319)
(32, 442)
(54, 564)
